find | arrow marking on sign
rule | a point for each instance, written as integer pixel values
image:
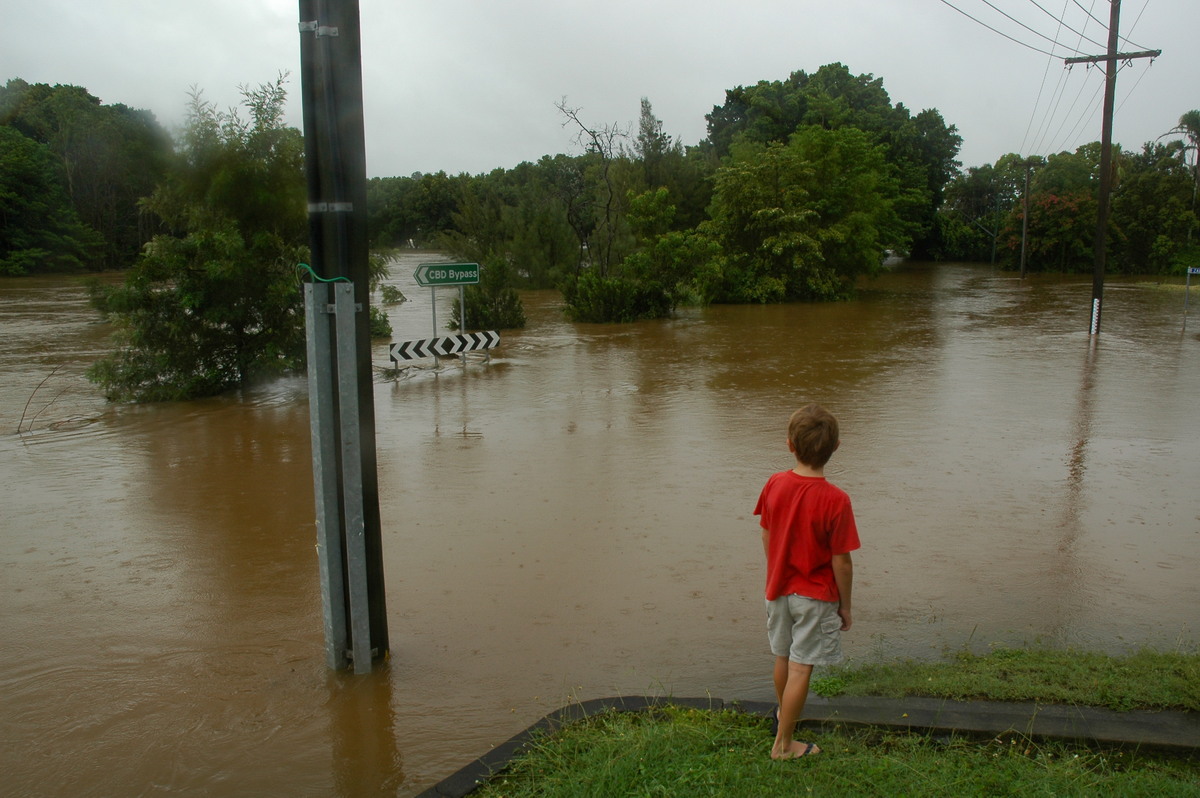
(445, 345)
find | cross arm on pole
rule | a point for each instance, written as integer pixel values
(1095, 59)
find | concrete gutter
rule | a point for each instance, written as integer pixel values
(1175, 732)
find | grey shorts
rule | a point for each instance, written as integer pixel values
(805, 630)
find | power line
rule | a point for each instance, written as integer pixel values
(1085, 115)
(1060, 20)
(1000, 33)
(989, 4)
(1125, 39)
(1041, 87)
(1136, 84)
(1136, 20)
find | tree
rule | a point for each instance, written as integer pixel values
(652, 148)
(922, 149)
(977, 204)
(803, 221)
(216, 300)
(493, 304)
(1189, 127)
(481, 235)
(667, 261)
(110, 158)
(606, 244)
(39, 229)
(1151, 210)
(662, 162)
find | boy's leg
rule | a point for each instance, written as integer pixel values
(791, 687)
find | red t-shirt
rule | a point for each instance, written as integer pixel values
(809, 520)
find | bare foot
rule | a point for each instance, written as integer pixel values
(796, 750)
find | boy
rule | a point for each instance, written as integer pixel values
(808, 532)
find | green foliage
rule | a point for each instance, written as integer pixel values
(378, 271)
(597, 299)
(416, 208)
(978, 204)
(41, 230)
(1143, 680)
(803, 221)
(380, 324)
(635, 226)
(665, 261)
(1062, 233)
(1152, 213)
(216, 301)
(674, 751)
(391, 295)
(828, 686)
(108, 157)
(921, 150)
(492, 304)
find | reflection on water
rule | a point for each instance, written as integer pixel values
(569, 520)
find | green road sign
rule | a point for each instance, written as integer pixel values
(432, 275)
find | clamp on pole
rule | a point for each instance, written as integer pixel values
(317, 28)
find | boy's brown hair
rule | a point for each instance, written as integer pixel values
(813, 433)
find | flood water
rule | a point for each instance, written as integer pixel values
(572, 520)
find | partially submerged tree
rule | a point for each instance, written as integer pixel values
(215, 301)
(803, 221)
(602, 145)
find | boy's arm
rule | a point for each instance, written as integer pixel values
(843, 577)
(766, 535)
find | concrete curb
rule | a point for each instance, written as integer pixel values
(1176, 732)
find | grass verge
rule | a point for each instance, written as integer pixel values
(678, 751)
(1145, 680)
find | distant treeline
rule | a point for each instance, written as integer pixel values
(800, 186)
(1152, 212)
(72, 172)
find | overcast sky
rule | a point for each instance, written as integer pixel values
(471, 85)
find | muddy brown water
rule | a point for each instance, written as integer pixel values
(572, 520)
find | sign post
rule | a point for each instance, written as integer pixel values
(1187, 289)
(441, 275)
(437, 275)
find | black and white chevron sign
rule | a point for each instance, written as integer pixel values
(446, 345)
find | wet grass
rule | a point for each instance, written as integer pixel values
(1144, 680)
(676, 751)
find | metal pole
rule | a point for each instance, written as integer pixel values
(462, 319)
(437, 361)
(322, 412)
(1187, 289)
(335, 165)
(352, 479)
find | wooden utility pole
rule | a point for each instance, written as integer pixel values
(1110, 60)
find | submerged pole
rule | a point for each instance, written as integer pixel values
(335, 167)
(1109, 59)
